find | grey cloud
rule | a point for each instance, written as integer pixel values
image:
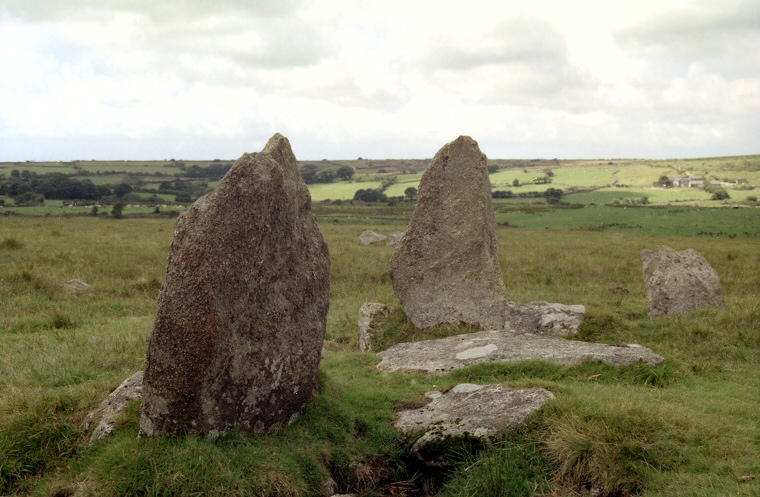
(514, 41)
(718, 29)
(166, 11)
(519, 62)
(347, 93)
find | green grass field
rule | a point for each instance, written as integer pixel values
(686, 428)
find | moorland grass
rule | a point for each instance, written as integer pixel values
(687, 427)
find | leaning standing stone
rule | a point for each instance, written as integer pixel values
(679, 281)
(446, 267)
(242, 312)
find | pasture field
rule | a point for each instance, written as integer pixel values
(688, 427)
(596, 181)
(339, 191)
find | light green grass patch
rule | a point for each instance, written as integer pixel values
(338, 191)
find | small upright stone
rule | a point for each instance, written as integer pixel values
(679, 282)
(243, 309)
(446, 267)
(371, 315)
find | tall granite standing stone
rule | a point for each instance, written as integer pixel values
(679, 281)
(446, 267)
(243, 309)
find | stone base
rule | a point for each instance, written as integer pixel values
(446, 354)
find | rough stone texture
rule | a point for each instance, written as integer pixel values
(467, 412)
(77, 286)
(445, 354)
(545, 318)
(446, 268)
(369, 315)
(395, 237)
(243, 309)
(679, 281)
(104, 416)
(368, 237)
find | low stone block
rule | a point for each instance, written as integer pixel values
(369, 237)
(466, 413)
(104, 416)
(446, 354)
(544, 318)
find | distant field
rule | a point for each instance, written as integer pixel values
(673, 221)
(609, 181)
(338, 191)
(654, 195)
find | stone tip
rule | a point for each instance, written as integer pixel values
(279, 148)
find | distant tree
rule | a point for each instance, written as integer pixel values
(410, 193)
(117, 211)
(122, 189)
(309, 173)
(664, 181)
(549, 172)
(720, 194)
(183, 197)
(493, 168)
(29, 198)
(553, 196)
(15, 174)
(94, 210)
(326, 176)
(345, 172)
(752, 199)
(370, 195)
(644, 200)
(516, 182)
(502, 194)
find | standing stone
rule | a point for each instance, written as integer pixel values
(446, 267)
(679, 281)
(371, 316)
(243, 309)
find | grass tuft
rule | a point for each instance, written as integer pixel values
(11, 244)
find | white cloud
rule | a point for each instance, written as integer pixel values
(395, 78)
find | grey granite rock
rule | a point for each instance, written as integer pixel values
(369, 237)
(679, 282)
(104, 416)
(446, 354)
(369, 315)
(465, 413)
(446, 267)
(545, 318)
(395, 237)
(243, 309)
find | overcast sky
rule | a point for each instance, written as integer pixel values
(202, 79)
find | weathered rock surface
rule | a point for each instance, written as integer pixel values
(242, 312)
(544, 317)
(446, 354)
(368, 237)
(371, 315)
(104, 416)
(77, 286)
(467, 412)
(395, 237)
(446, 267)
(679, 281)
